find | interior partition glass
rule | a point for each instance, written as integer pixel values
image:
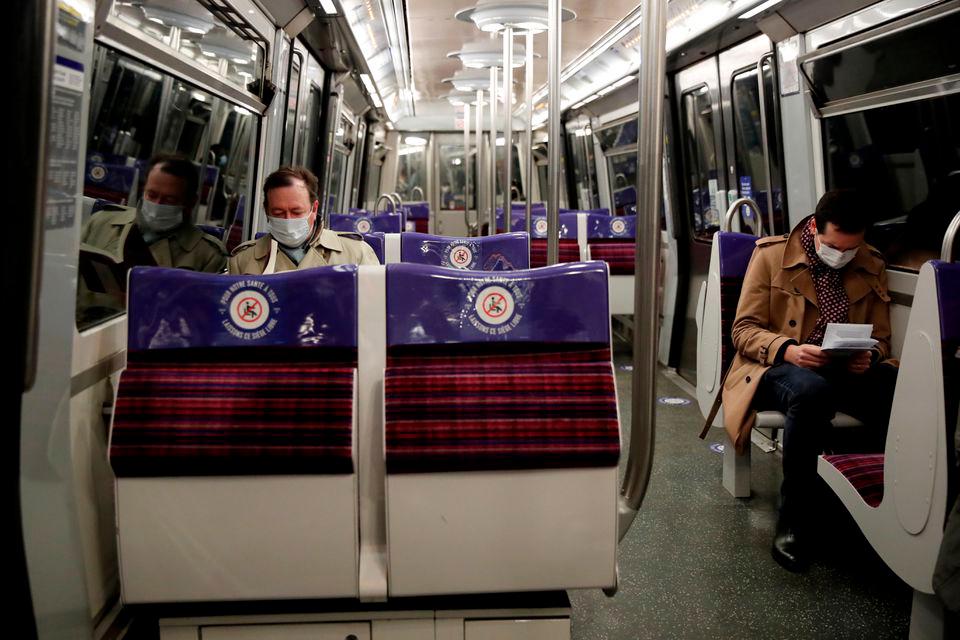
(622, 169)
(905, 161)
(451, 171)
(290, 119)
(411, 168)
(700, 162)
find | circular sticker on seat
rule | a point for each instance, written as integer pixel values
(460, 256)
(249, 309)
(97, 173)
(618, 226)
(495, 305)
(363, 225)
(540, 227)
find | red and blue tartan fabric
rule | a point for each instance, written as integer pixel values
(621, 256)
(468, 411)
(568, 250)
(864, 471)
(229, 418)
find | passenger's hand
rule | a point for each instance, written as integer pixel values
(859, 362)
(808, 356)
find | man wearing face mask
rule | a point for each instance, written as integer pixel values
(296, 239)
(795, 285)
(163, 219)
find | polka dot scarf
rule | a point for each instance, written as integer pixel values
(831, 296)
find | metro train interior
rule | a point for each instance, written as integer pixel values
(492, 434)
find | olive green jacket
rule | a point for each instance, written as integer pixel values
(187, 247)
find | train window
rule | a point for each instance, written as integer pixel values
(290, 118)
(584, 169)
(748, 139)
(196, 34)
(905, 159)
(412, 166)
(452, 174)
(307, 134)
(618, 135)
(622, 169)
(920, 53)
(699, 155)
(136, 112)
(337, 180)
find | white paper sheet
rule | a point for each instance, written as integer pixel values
(841, 338)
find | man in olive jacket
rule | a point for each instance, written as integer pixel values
(795, 285)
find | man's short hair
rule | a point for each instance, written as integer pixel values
(290, 176)
(180, 167)
(846, 208)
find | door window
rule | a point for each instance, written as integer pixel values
(700, 160)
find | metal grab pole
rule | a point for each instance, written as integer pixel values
(528, 88)
(508, 128)
(466, 165)
(492, 228)
(553, 140)
(649, 188)
(478, 161)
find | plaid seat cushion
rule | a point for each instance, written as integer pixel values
(621, 256)
(463, 411)
(421, 225)
(226, 418)
(568, 250)
(864, 471)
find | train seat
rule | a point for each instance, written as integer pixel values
(613, 240)
(418, 213)
(502, 252)
(498, 477)
(234, 234)
(716, 312)
(232, 438)
(213, 230)
(377, 242)
(569, 249)
(110, 181)
(899, 499)
(357, 223)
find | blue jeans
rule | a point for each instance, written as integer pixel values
(809, 399)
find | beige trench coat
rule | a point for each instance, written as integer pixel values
(779, 303)
(329, 247)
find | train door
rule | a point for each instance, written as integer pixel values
(730, 147)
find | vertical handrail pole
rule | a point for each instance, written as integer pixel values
(466, 163)
(479, 160)
(553, 142)
(492, 228)
(508, 128)
(649, 188)
(528, 89)
(765, 139)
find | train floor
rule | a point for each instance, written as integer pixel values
(697, 564)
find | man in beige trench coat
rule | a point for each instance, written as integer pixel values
(821, 272)
(296, 240)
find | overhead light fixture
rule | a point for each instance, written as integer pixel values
(371, 90)
(763, 6)
(486, 52)
(415, 141)
(616, 85)
(188, 15)
(470, 80)
(519, 15)
(329, 7)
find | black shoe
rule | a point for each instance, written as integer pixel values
(788, 550)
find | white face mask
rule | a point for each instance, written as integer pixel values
(834, 258)
(290, 232)
(160, 217)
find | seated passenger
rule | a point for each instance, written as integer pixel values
(163, 219)
(821, 272)
(297, 240)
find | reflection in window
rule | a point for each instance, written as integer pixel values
(623, 182)
(337, 180)
(412, 168)
(905, 160)
(194, 33)
(584, 169)
(452, 174)
(290, 119)
(137, 112)
(699, 155)
(618, 135)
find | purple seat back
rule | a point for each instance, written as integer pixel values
(948, 292)
(384, 223)
(376, 240)
(417, 210)
(216, 232)
(735, 250)
(604, 227)
(564, 303)
(112, 182)
(502, 252)
(178, 309)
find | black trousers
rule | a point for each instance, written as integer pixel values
(809, 399)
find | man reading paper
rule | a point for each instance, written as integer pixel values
(821, 273)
